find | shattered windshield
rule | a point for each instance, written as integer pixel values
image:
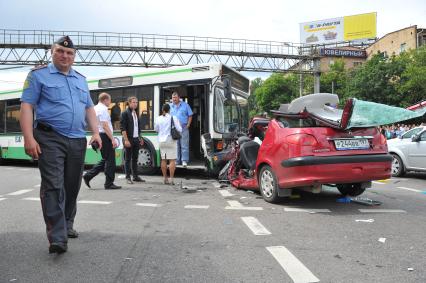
(370, 114)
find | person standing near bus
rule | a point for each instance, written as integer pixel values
(168, 146)
(183, 112)
(60, 97)
(107, 163)
(131, 130)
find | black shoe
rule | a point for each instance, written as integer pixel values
(86, 180)
(72, 233)
(138, 179)
(113, 187)
(58, 248)
(129, 181)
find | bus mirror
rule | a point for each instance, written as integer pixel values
(227, 88)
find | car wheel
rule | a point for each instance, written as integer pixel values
(268, 185)
(397, 166)
(352, 190)
(146, 160)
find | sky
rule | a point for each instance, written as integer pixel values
(271, 20)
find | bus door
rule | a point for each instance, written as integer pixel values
(196, 95)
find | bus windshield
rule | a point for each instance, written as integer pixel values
(229, 114)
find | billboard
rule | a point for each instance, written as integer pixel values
(339, 29)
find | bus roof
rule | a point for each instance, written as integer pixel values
(149, 76)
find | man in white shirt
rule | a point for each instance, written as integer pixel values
(107, 163)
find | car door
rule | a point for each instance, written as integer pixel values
(417, 152)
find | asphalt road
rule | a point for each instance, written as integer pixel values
(205, 233)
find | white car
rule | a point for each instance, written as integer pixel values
(408, 152)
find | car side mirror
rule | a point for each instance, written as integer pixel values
(227, 88)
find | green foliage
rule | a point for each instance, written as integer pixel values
(398, 81)
(275, 90)
(253, 107)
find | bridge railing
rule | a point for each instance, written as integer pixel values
(135, 40)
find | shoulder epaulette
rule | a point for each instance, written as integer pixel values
(38, 67)
(80, 73)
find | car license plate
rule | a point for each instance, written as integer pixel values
(349, 144)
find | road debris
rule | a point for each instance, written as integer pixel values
(410, 269)
(382, 240)
(344, 200)
(366, 201)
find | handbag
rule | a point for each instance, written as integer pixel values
(173, 131)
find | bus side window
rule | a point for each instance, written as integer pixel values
(2, 116)
(12, 115)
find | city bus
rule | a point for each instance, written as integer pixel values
(216, 93)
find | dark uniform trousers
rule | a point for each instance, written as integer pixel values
(61, 166)
(107, 163)
(131, 156)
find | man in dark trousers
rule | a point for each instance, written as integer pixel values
(107, 163)
(132, 141)
(60, 98)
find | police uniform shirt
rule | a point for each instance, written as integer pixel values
(182, 111)
(103, 116)
(60, 101)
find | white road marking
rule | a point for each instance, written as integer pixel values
(365, 220)
(34, 199)
(121, 176)
(20, 192)
(309, 210)
(382, 240)
(378, 210)
(236, 205)
(197, 206)
(37, 186)
(216, 185)
(23, 169)
(297, 271)
(378, 183)
(225, 193)
(255, 226)
(94, 202)
(149, 204)
(409, 189)
(2, 199)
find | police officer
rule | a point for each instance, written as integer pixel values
(60, 97)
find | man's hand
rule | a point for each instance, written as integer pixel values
(188, 125)
(141, 141)
(32, 148)
(114, 143)
(127, 143)
(96, 138)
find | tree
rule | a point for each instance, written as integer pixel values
(413, 79)
(253, 107)
(275, 90)
(335, 81)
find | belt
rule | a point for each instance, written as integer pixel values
(44, 127)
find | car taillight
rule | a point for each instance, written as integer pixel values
(302, 139)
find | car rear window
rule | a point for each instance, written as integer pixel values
(287, 122)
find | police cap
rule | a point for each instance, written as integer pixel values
(65, 41)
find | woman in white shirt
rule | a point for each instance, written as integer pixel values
(168, 146)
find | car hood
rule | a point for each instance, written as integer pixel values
(355, 114)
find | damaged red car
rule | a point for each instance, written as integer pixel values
(310, 143)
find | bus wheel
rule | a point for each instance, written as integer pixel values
(146, 159)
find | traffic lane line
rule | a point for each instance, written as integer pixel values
(149, 204)
(308, 210)
(94, 202)
(297, 271)
(33, 199)
(236, 205)
(225, 193)
(196, 206)
(2, 199)
(255, 226)
(20, 192)
(379, 210)
(410, 189)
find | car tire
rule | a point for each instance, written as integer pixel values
(268, 185)
(352, 190)
(398, 168)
